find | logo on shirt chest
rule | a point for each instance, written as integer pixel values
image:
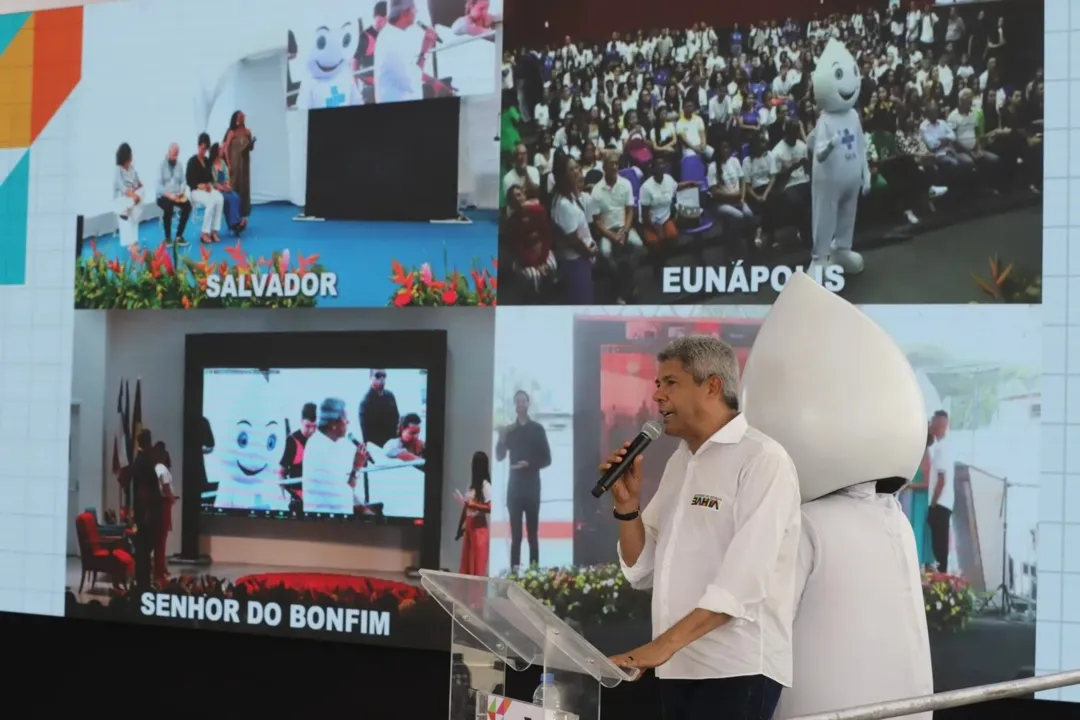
(706, 501)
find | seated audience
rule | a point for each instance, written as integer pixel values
(172, 196)
(200, 181)
(571, 214)
(221, 184)
(657, 201)
(127, 196)
(727, 185)
(791, 162)
(937, 103)
(613, 207)
(522, 174)
(527, 233)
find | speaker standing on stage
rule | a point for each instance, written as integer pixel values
(717, 544)
(527, 445)
(148, 508)
(400, 55)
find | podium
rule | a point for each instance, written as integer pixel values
(498, 625)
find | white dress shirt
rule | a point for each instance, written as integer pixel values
(397, 71)
(860, 632)
(941, 462)
(722, 534)
(327, 467)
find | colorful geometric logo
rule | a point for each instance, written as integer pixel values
(498, 707)
(40, 64)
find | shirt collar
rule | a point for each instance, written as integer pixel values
(730, 434)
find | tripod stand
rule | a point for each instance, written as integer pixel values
(1007, 604)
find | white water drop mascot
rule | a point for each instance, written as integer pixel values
(328, 79)
(840, 170)
(249, 428)
(834, 389)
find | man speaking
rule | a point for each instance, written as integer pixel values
(401, 53)
(717, 544)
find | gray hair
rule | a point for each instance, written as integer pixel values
(704, 356)
(965, 94)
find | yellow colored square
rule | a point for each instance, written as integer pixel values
(14, 125)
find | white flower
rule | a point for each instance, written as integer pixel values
(938, 605)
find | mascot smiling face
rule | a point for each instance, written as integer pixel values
(331, 50)
(837, 80)
(250, 437)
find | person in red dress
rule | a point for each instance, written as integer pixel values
(473, 528)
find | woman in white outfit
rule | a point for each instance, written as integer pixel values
(200, 178)
(127, 196)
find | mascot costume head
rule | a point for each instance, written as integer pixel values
(840, 170)
(836, 79)
(249, 428)
(833, 388)
(327, 50)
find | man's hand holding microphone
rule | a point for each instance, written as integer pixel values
(626, 491)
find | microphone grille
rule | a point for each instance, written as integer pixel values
(652, 430)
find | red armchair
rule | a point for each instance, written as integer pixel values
(101, 556)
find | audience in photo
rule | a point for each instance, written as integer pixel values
(949, 104)
(200, 180)
(172, 196)
(127, 195)
(223, 189)
(220, 170)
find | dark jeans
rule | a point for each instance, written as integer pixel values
(524, 502)
(938, 518)
(145, 542)
(751, 697)
(167, 207)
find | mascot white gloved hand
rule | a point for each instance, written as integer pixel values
(328, 80)
(837, 393)
(840, 170)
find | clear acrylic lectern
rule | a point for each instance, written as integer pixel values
(496, 625)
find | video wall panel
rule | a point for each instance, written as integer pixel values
(609, 188)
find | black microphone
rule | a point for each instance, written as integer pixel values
(425, 28)
(357, 443)
(649, 432)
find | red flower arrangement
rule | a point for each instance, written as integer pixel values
(949, 601)
(418, 287)
(161, 278)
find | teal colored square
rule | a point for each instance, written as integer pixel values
(10, 25)
(14, 200)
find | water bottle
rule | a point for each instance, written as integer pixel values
(547, 695)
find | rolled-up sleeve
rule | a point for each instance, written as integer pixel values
(766, 508)
(640, 574)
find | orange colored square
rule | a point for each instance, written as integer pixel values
(15, 125)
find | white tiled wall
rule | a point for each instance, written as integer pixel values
(1058, 633)
(35, 388)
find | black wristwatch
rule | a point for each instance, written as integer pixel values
(625, 517)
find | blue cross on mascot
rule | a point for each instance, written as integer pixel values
(840, 169)
(336, 98)
(847, 139)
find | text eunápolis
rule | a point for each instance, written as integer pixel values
(739, 278)
(271, 285)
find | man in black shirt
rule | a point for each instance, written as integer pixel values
(292, 460)
(379, 414)
(527, 444)
(147, 506)
(365, 52)
(200, 179)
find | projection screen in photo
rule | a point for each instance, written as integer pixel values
(267, 423)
